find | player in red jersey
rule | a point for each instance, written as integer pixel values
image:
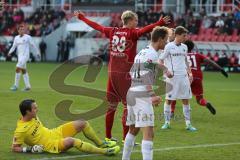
(195, 60)
(123, 44)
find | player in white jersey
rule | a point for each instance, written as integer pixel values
(175, 58)
(22, 42)
(141, 97)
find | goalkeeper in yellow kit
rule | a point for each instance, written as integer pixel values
(30, 131)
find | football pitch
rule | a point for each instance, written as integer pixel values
(217, 138)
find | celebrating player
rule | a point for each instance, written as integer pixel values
(195, 60)
(22, 42)
(32, 132)
(140, 109)
(175, 58)
(123, 43)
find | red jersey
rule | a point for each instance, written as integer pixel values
(195, 60)
(123, 43)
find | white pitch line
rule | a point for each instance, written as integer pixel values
(138, 151)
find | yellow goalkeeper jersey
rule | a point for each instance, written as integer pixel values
(33, 132)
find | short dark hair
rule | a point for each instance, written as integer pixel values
(26, 105)
(180, 30)
(159, 32)
(190, 44)
(20, 26)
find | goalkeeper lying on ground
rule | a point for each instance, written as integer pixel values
(39, 138)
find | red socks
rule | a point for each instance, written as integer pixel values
(109, 121)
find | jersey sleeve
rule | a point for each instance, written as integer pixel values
(96, 26)
(107, 31)
(18, 138)
(149, 28)
(201, 57)
(13, 46)
(33, 45)
(165, 53)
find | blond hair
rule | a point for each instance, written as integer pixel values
(128, 15)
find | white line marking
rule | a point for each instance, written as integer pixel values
(138, 151)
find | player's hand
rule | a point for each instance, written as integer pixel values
(78, 14)
(37, 149)
(190, 76)
(9, 54)
(168, 74)
(156, 100)
(224, 73)
(165, 19)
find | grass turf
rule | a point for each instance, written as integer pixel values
(219, 129)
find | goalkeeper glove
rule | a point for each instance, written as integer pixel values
(37, 149)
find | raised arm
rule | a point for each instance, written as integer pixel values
(92, 24)
(207, 60)
(148, 28)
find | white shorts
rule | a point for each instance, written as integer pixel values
(141, 114)
(22, 63)
(178, 87)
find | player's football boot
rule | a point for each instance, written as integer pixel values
(108, 144)
(166, 126)
(113, 151)
(135, 144)
(13, 88)
(211, 108)
(191, 128)
(26, 89)
(111, 139)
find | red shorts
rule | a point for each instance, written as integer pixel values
(117, 87)
(197, 87)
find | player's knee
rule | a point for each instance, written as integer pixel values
(185, 101)
(134, 131)
(148, 135)
(168, 102)
(198, 99)
(152, 136)
(23, 71)
(80, 125)
(18, 70)
(68, 142)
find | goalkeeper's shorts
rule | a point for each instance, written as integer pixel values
(55, 142)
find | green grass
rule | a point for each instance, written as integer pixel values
(219, 129)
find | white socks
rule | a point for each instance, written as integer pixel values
(147, 150)
(167, 113)
(17, 79)
(186, 112)
(128, 146)
(26, 80)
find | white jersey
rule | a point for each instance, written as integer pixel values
(139, 104)
(174, 57)
(23, 43)
(143, 70)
